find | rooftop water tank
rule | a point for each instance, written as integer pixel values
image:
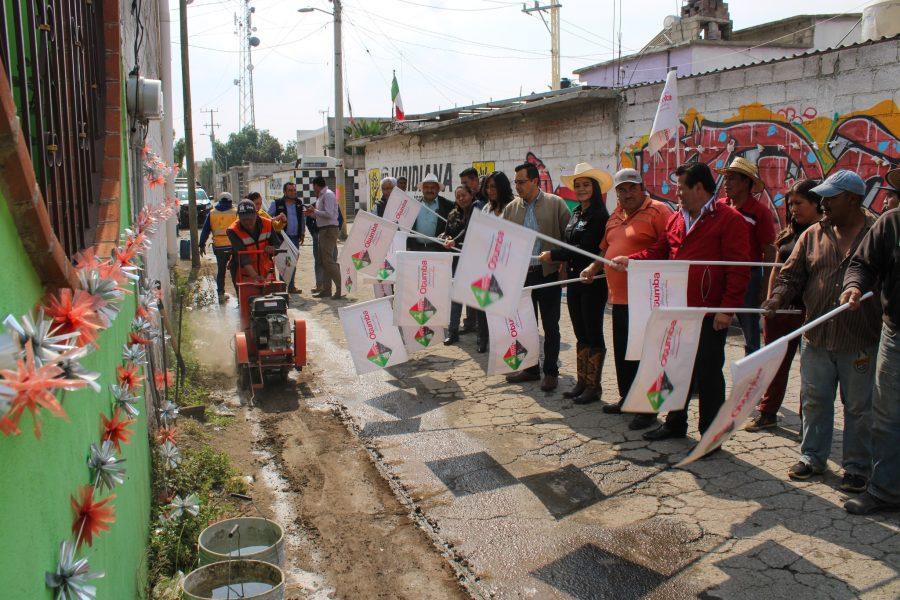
(881, 19)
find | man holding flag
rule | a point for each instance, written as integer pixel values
(704, 229)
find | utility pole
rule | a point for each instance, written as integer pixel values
(553, 29)
(212, 140)
(189, 135)
(339, 180)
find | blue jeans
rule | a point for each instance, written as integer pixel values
(822, 373)
(885, 481)
(749, 322)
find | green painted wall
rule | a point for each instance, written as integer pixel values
(37, 477)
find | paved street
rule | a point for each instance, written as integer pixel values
(537, 498)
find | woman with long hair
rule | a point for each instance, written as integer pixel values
(497, 189)
(586, 301)
(454, 236)
(805, 208)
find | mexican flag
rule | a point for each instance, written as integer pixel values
(396, 101)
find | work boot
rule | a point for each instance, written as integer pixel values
(866, 504)
(592, 377)
(581, 354)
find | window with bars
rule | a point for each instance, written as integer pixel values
(52, 51)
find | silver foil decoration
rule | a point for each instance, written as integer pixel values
(190, 504)
(144, 328)
(103, 289)
(70, 363)
(71, 578)
(134, 353)
(9, 350)
(47, 345)
(169, 413)
(171, 454)
(148, 301)
(107, 467)
(125, 400)
(6, 396)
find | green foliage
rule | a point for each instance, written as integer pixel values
(178, 151)
(203, 471)
(290, 154)
(246, 146)
(364, 128)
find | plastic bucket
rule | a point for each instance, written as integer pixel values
(254, 539)
(234, 579)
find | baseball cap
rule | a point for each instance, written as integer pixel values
(841, 181)
(246, 207)
(225, 196)
(626, 176)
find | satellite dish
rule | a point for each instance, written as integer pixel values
(254, 41)
(670, 21)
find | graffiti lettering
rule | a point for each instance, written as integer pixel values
(416, 173)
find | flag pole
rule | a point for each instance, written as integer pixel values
(412, 232)
(561, 282)
(736, 311)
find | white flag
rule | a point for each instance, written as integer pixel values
(422, 289)
(422, 338)
(663, 379)
(374, 342)
(493, 264)
(750, 378)
(387, 271)
(286, 262)
(514, 340)
(402, 209)
(665, 125)
(382, 289)
(368, 243)
(652, 284)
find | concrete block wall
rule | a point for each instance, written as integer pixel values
(799, 117)
(555, 139)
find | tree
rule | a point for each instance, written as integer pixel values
(204, 175)
(246, 146)
(364, 128)
(290, 154)
(178, 151)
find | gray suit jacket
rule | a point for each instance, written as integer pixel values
(552, 216)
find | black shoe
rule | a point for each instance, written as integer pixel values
(523, 377)
(322, 294)
(801, 471)
(866, 504)
(588, 396)
(612, 409)
(762, 421)
(642, 421)
(852, 482)
(663, 433)
(451, 339)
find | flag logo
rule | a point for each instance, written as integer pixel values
(361, 259)
(348, 283)
(486, 290)
(379, 354)
(385, 271)
(515, 355)
(659, 391)
(423, 335)
(422, 311)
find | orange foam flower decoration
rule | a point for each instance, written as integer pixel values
(129, 376)
(87, 259)
(34, 388)
(136, 338)
(116, 430)
(91, 516)
(162, 380)
(73, 312)
(165, 434)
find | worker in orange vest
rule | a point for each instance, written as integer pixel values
(253, 232)
(217, 223)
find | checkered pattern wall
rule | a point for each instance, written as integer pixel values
(356, 182)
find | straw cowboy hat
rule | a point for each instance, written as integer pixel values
(431, 178)
(745, 167)
(585, 170)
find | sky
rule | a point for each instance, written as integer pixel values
(445, 53)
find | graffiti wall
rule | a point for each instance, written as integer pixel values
(789, 144)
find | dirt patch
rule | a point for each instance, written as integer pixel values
(347, 535)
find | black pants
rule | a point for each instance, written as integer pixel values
(708, 381)
(223, 258)
(547, 303)
(625, 369)
(586, 303)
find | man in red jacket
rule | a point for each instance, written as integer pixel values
(704, 229)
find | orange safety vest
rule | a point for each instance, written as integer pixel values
(262, 262)
(219, 221)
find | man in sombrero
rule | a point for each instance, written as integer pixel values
(742, 184)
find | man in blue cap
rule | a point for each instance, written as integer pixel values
(840, 353)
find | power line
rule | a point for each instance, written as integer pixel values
(455, 9)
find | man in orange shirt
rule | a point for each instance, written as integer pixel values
(635, 225)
